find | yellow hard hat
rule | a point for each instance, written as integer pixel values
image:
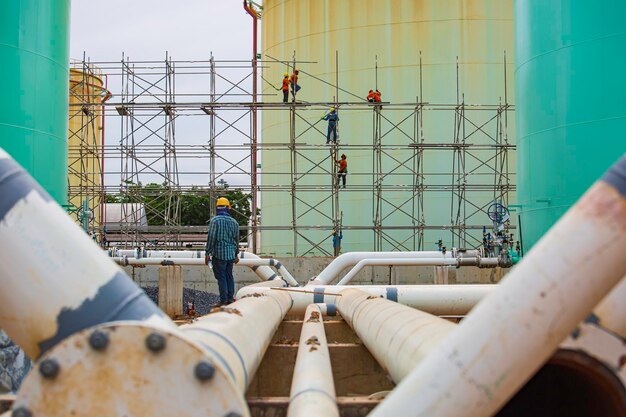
(223, 201)
(297, 70)
(286, 74)
(332, 109)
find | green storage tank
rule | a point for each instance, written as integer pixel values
(571, 103)
(34, 41)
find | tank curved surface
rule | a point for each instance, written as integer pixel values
(391, 33)
(571, 112)
(34, 42)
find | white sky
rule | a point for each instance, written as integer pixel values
(145, 29)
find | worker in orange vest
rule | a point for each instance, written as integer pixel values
(371, 96)
(293, 80)
(377, 96)
(285, 88)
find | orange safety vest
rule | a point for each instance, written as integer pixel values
(285, 84)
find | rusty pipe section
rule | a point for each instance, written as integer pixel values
(511, 333)
(399, 337)
(69, 285)
(312, 387)
(238, 335)
(439, 300)
(253, 264)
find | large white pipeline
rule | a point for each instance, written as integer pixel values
(238, 335)
(69, 285)
(511, 333)
(312, 386)
(440, 300)
(399, 337)
(332, 271)
(250, 263)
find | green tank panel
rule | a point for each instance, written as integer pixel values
(571, 110)
(34, 42)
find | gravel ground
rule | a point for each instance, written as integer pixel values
(204, 301)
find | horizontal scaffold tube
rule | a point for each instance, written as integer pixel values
(511, 333)
(312, 387)
(332, 271)
(399, 337)
(250, 263)
(238, 335)
(69, 285)
(440, 300)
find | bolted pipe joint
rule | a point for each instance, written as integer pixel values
(174, 382)
(21, 412)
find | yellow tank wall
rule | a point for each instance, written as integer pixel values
(84, 143)
(477, 31)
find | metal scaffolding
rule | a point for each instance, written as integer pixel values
(209, 104)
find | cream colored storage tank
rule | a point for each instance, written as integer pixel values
(478, 32)
(85, 143)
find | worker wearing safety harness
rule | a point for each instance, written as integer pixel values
(221, 249)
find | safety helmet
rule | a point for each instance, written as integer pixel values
(371, 91)
(332, 109)
(286, 74)
(223, 202)
(297, 70)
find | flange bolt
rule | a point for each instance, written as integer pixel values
(204, 371)
(155, 342)
(49, 368)
(21, 412)
(98, 340)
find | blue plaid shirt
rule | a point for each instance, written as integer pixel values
(223, 238)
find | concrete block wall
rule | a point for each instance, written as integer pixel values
(202, 278)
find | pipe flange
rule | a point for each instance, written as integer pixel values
(127, 376)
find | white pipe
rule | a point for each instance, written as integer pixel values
(312, 386)
(330, 273)
(611, 312)
(265, 272)
(144, 253)
(251, 263)
(512, 332)
(238, 335)
(440, 300)
(69, 284)
(394, 262)
(399, 337)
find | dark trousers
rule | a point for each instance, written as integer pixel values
(285, 96)
(332, 128)
(223, 271)
(342, 177)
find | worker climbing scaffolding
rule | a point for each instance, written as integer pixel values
(293, 82)
(343, 169)
(333, 120)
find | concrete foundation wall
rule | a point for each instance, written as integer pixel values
(202, 278)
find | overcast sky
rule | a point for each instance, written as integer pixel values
(145, 29)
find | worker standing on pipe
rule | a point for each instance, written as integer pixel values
(343, 169)
(221, 249)
(285, 88)
(333, 119)
(293, 80)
